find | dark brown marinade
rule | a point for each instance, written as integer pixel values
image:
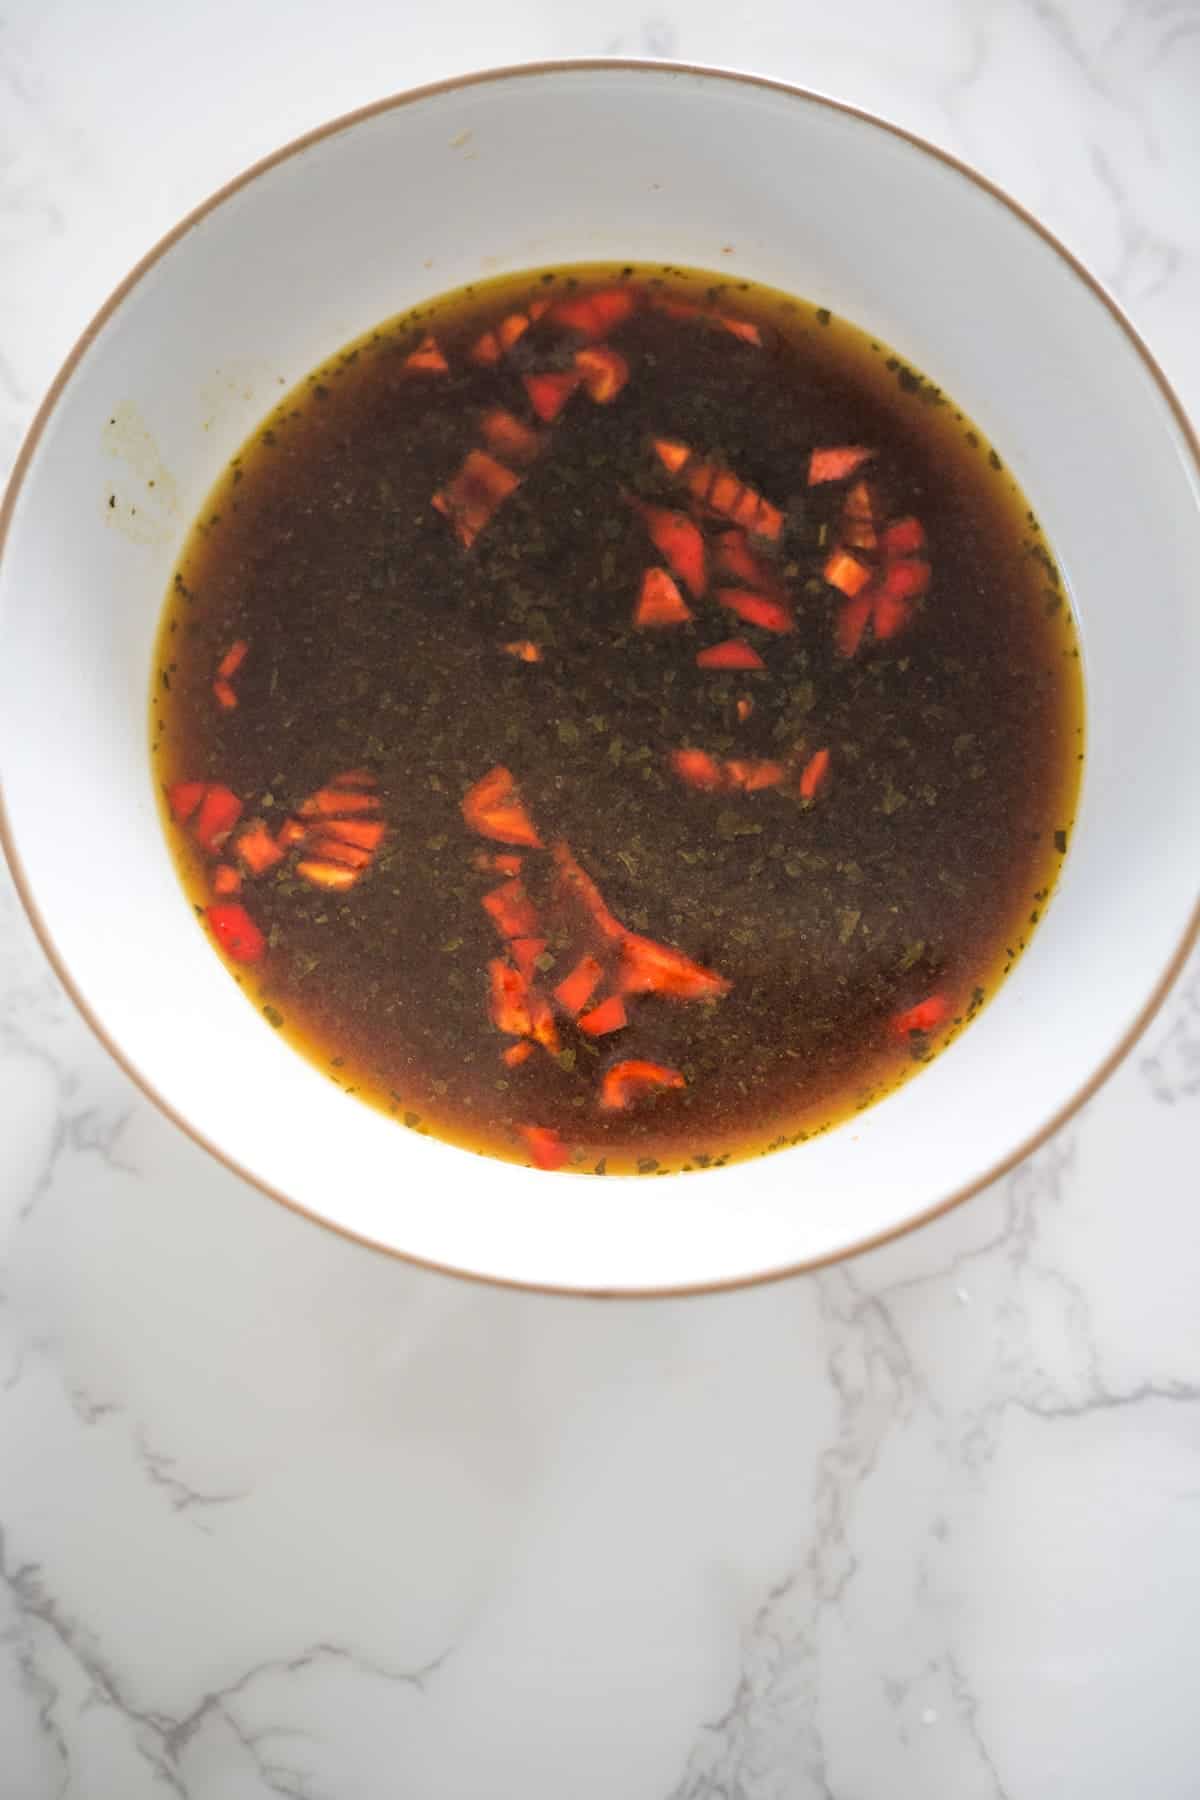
(376, 641)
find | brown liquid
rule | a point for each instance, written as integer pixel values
(375, 639)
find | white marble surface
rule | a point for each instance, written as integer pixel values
(278, 1517)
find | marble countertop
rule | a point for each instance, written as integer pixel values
(278, 1517)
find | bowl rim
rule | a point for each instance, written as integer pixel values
(295, 147)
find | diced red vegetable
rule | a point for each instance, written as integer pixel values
(735, 653)
(255, 847)
(516, 1054)
(735, 557)
(698, 769)
(509, 998)
(335, 877)
(486, 349)
(740, 328)
(679, 540)
(494, 809)
(332, 801)
(232, 660)
(225, 695)
(511, 329)
(672, 455)
(849, 574)
(365, 833)
(605, 372)
(903, 537)
(852, 622)
(226, 880)
(660, 601)
(576, 989)
(236, 932)
(890, 616)
(927, 1015)
(509, 437)
(610, 1015)
(549, 393)
(525, 952)
(648, 967)
(427, 356)
(579, 884)
(524, 649)
(220, 810)
(836, 461)
(330, 847)
(814, 775)
(473, 496)
(628, 1081)
(751, 776)
(511, 910)
(745, 707)
(905, 580)
(756, 609)
(541, 1023)
(677, 309)
(595, 315)
(860, 503)
(184, 797)
(725, 495)
(546, 1148)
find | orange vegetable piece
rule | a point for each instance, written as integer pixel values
(232, 660)
(758, 515)
(905, 580)
(486, 349)
(756, 609)
(660, 601)
(225, 695)
(648, 967)
(508, 1001)
(745, 707)
(516, 1054)
(814, 775)
(331, 848)
(546, 1148)
(752, 776)
(184, 797)
(576, 989)
(334, 876)
(236, 932)
(890, 616)
(736, 558)
(511, 910)
(291, 833)
(672, 455)
(475, 494)
(846, 573)
(525, 952)
(740, 328)
(549, 393)
(610, 1015)
(524, 649)
(511, 329)
(678, 539)
(677, 309)
(715, 488)
(580, 885)
(927, 1015)
(904, 537)
(427, 356)
(698, 769)
(735, 653)
(851, 623)
(494, 809)
(836, 461)
(595, 315)
(366, 833)
(256, 848)
(604, 372)
(226, 879)
(219, 812)
(541, 1023)
(329, 802)
(509, 436)
(628, 1080)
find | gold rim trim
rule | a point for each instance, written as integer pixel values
(522, 71)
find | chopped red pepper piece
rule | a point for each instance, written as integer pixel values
(905, 580)
(510, 437)
(184, 797)
(511, 329)
(509, 1003)
(610, 1015)
(516, 1054)
(904, 537)
(604, 372)
(494, 809)
(752, 776)
(226, 879)
(595, 315)
(576, 989)
(846, 573)
(475, 494)
(724, 494)
(740, 328)
(219, 812)
(256, 848)
(890, 616)
(546, 1148)
(678, 538)
(331, 801)
(427, 356)
(486, 349)
(672, 455)
(524, 650)
(736, 558)
(330, 847)
(698, 769)
(814, 775)
(225, 695)
(548, 394)
(236, 932)
(648, 967)
(511, 910)
(580, 885)
(525, 952)
(660, 601)
(927, 1015)
(365, 833)
(628, 1080)
(836, 462)
(852, 622)
(756, 609)
(335, 877)
(232, 660)
(745, 707)
(735, 653)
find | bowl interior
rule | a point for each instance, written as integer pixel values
(569, 164)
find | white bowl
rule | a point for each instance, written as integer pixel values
(558, 164)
